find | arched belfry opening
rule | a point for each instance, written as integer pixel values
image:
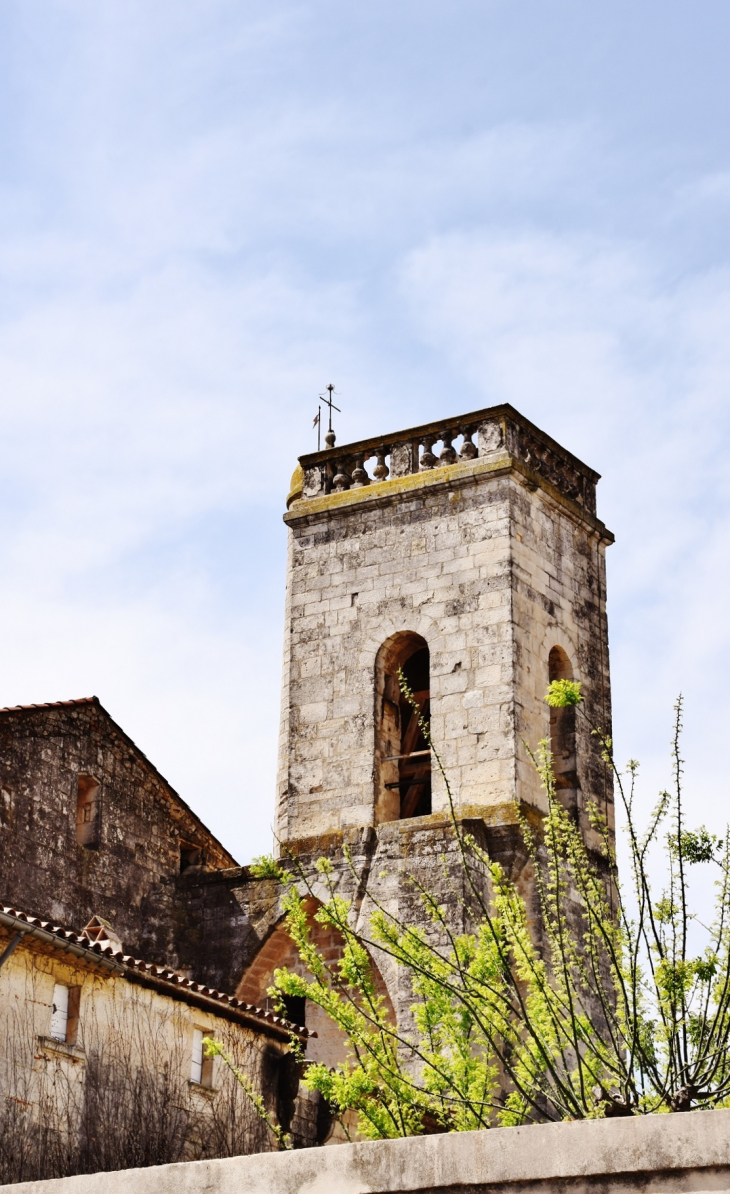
(562, 734)
(402, 756)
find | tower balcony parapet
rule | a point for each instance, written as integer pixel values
(497, 431)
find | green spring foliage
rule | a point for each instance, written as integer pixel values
(214, 1048)
(563, 694)
(600, 1009)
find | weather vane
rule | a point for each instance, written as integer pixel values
(329, 438)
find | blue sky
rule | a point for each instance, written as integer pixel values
(210, 210)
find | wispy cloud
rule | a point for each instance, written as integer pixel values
(630, 370)
(209, 210)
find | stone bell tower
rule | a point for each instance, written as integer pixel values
(468, 554)
(471, 556)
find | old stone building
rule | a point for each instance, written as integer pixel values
(89, 827)
(473, 566)
(472, 557)
(102, 1064)
(95, 848)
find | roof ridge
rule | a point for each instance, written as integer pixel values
(51, 704)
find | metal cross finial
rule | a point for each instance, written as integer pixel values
(329, 438)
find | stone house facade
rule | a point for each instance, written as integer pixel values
(89, 827)
(102, 1064)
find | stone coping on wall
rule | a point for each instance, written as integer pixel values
(660, 1154)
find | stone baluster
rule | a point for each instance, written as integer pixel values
(381, 470)
(468, 448)
(340, 481)
(448, 454)
(428, 460)
(359, 475)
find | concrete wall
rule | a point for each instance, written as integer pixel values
(666, 1154)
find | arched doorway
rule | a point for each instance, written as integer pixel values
(402, 755)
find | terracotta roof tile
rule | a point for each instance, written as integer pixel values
(92, 700)
(161, 974)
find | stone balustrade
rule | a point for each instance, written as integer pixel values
(451, 444)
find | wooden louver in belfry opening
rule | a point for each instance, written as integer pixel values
(414, 765)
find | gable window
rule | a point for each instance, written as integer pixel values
(88, 812)
(201, 1067)
(191, 857)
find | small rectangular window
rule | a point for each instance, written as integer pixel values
(88, 812)
(72, 1022)
(296, 1009)
(59, 1013)
(201, 1067)
(191, 856)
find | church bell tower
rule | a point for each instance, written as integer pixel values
(468, 553)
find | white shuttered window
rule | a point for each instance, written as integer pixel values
(59, 1014)
(196, 1065)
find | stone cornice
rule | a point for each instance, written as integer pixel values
(310, 510)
